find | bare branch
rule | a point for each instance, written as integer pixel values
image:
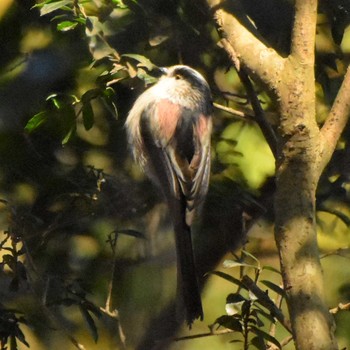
(239, 115)
(208, 334)
(304, 31)
(263, 61)
(343, 252)
(336, 121)
(340, 307)
(111, 313)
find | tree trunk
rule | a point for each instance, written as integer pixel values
(303, 151)
(297, 175)
(295, 233)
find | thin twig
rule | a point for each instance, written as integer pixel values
(239, 115)
(108, 309)
(253, 98)
(340, 307)
(208, 334)
(336, 121)
(272, 332)
(343, 252)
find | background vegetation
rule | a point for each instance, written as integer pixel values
(87, 257)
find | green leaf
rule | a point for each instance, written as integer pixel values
(88, 115)
(120, 4)
(143, 61)
(258, 343)
(231, 263)
(274, 287)
(13, 343)
(91, 94)
(246, 308)
(90, 322)
(70, 134)
(265, 336)
(53, 6)
(235, 298)
(228, 278)
(251, 256)
(66, 25)
(265, 314)
(255, 319)
(148, 79)
(132, 233)
(36, 121)
(229, 322)
(234, 303)
(55, 99)
(20, 336)
(108, 95)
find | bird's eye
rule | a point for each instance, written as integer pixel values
(177, 76)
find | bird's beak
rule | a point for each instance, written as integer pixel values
(163, 70)
(158, 72)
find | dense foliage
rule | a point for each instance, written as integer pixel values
(87, 257)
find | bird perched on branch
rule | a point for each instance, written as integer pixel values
(169, 130)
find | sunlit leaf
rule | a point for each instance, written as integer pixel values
(147, 78)
(251, 256)
(52, 6)
(234, 303)
(36, 121)
(143, 61)
(120, 4)
(66, 25)
(231, 263)
(54, 98)
(70, 134)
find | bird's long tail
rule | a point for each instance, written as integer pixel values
(187, 284)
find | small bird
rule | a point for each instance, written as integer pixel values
(169, 129)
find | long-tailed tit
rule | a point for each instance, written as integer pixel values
(169, 129)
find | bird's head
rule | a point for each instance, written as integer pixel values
(186, 74)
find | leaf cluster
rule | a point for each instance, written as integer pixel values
(249, 309)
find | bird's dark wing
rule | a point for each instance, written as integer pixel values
(182, 141)
(173, 148)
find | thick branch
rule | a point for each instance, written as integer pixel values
(262, 61)
(336, 121)
(304, 31)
